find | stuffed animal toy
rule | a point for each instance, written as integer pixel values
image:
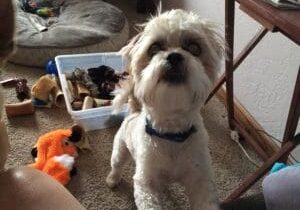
(47, 91)
(42, 88)
(55, 153)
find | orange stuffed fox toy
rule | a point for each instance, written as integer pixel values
(55, 153)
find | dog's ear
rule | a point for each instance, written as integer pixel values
(125, 93)
(126, 51)
(215, 38)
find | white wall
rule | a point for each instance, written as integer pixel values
(265, 81)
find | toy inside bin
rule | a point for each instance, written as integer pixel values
(95, 118)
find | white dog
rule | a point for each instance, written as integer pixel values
(174, 63)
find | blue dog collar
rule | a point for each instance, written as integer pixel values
(174, 137)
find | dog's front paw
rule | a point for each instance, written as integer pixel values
(113, 179)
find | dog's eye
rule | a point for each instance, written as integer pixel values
(155, 48)
(193, 48)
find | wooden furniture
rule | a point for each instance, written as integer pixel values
(272, 19)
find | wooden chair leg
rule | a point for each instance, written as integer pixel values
(229, 37)
(253, 178)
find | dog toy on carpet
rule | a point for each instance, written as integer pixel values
(55, 153)
(23, 94)
(22, 90)
(41, 90)
(47, 91)
(21, 108)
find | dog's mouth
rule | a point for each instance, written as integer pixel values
(174, 71)
(174, 75)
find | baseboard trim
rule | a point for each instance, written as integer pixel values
(244, 118)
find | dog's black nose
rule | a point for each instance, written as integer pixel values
(175, 72)
(174, 58)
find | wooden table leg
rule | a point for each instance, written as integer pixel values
(253, 178)
(290, 142)
(229, 37)
(293, 116)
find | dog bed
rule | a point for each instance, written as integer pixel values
(82, 26)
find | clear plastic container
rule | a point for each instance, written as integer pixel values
(95, 118)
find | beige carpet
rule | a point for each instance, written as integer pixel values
(88, 186)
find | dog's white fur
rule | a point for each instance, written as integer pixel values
(170, 108)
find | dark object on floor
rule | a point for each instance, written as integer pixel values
(253, 202)
(9, 82)
(20, 85)
(22, 90)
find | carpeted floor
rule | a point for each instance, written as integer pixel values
(88, 186)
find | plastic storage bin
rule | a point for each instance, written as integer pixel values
(95, 118)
